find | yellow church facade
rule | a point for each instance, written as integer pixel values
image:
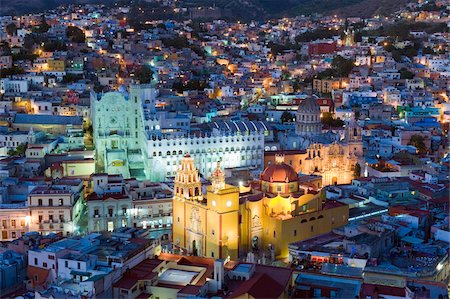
(229, 221)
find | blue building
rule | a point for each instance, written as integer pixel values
(12, 271)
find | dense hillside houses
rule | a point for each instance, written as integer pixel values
(181, 149)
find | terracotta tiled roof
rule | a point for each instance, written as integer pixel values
(374, 291)
(261, 285)
(38, 275)
(279, 173)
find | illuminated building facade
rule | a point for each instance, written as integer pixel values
(205, 227)
(56, 208)
(235, 149)
(129, 140)
(118, 133)
(329, 155)
(114, 202)
(14, 221)
(231, 221)
(308, 118)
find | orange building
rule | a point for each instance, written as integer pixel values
(229, 222)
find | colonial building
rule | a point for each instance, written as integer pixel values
(109, 205)
(129, 139)
(240, 144)
(118, 132)
(56, 208)
(115, 202)
(231, 221)
(151, 206)
(333, 156)
(14, 220)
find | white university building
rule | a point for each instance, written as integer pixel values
(129, 140)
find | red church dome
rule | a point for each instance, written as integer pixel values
(279, 172)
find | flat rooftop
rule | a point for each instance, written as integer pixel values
(243, 268)
(366, 210)
(176, 276)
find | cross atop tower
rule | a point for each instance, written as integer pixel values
(279, 158)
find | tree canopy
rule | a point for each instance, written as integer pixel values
(287, 117)
(340, 67)
(43, 26)
(406, 74)
(144, 74)
(356, 171)
(11, 29)
(328, 119)
(75, 34)
(418, 141)
(19, 151)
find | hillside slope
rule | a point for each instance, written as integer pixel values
(241, 9)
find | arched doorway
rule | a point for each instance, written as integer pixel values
(334, 180)
(194, 248)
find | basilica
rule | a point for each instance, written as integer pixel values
(222, 220)
(331, 155)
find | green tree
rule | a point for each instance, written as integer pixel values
(285, 75)
(161, 26)
(287, 117)
(144, 74)
(70, 78)
(176, 42)
(418, 141)
(19, 151)
(195, 84)
(11, 29)
(341, 66)
(406, 74)
(43, 26)
(15, 70)
(88, 129)
(4, 47)
(28, 42)
(75, 34)
(326, 74)
(24, 56)
(328, 119)
(356, 171)
(428, 50)
(319, 33)
(54, 45)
